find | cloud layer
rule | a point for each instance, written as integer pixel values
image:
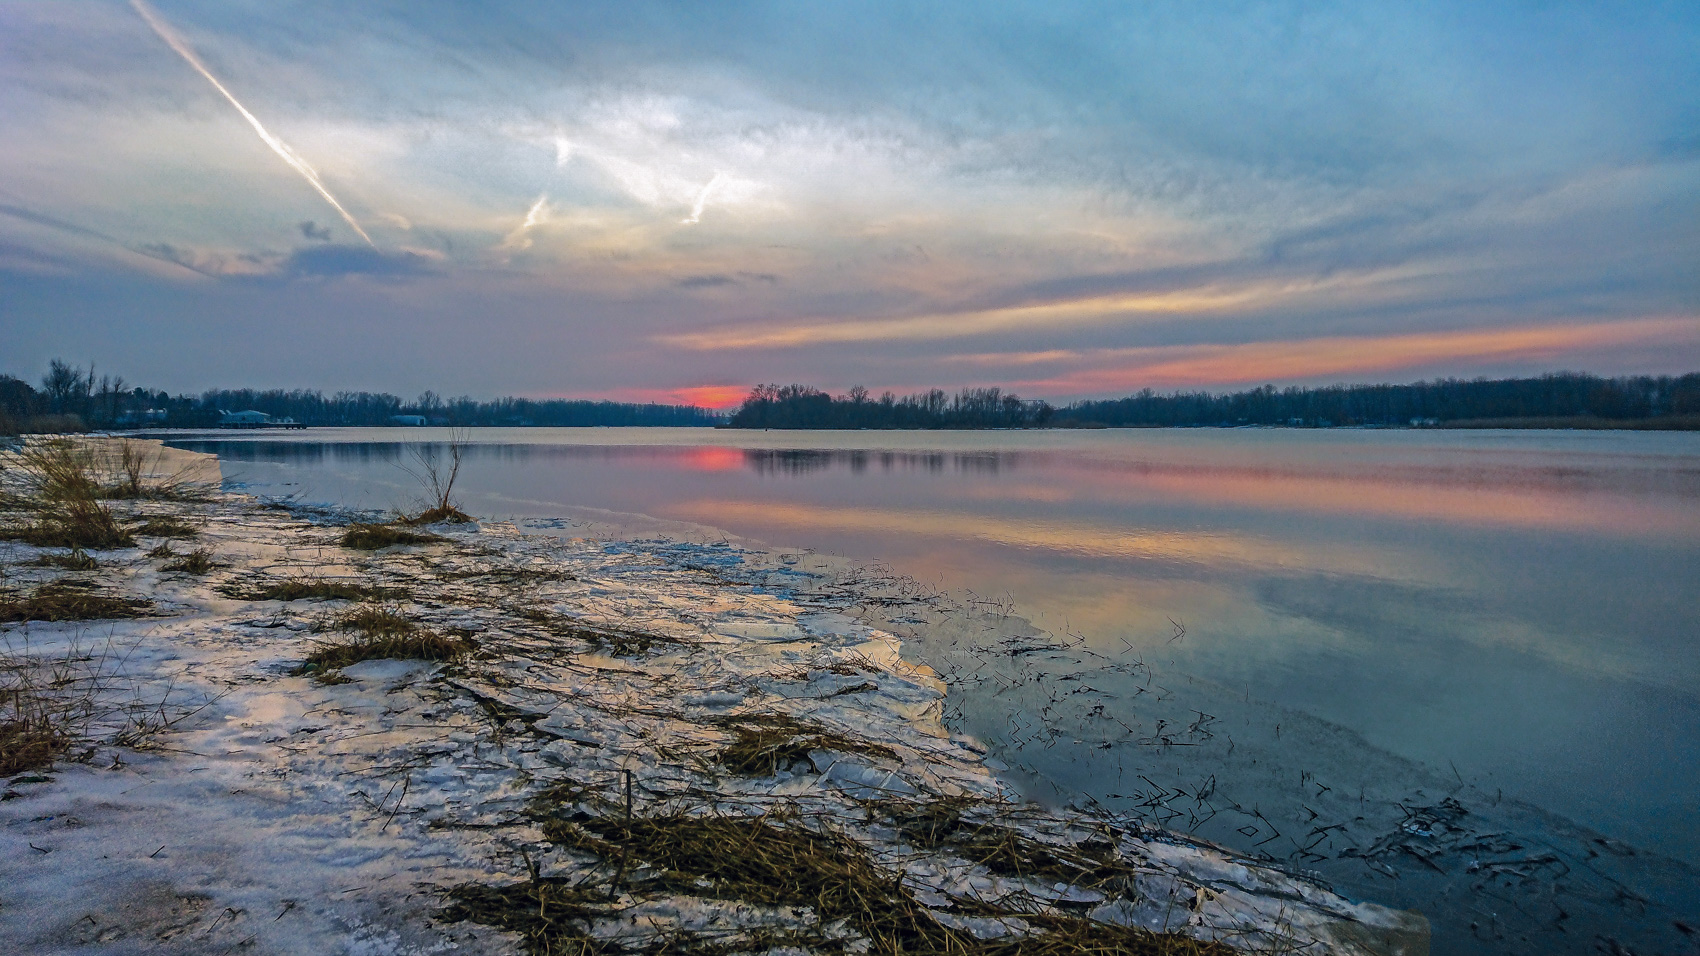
(653, 198)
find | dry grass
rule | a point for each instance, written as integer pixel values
(76, 524)
(59, 470)
(384, 634)
(60, 489)
(619, 642)
(76, 560)
(769, 863)
(507, 574)
(414, 646)
(313, 589)
(28, 744)
(159, 526)
(137, 474)
(765, 744)
(441, 513)
(198, 561)
(372, 537)
(69, 601)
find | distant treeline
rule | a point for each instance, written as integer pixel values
(799, 406)
(1568, 397)
(74, 399)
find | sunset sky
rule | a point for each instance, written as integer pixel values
(674, 201)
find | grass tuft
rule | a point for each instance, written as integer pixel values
(29, 742)
(414, 646)
(313, 589)
(765, 744)
(76, 560)
(73, 524)
(198, 561)
(69, 601)
(384, 634)
(441, 513)
(164, 527)
(372, 537)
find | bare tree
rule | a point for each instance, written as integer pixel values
(436, 468)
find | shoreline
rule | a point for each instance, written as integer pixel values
(300, 813)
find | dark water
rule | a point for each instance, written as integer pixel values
(1507, 618)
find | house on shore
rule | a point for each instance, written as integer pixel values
(254, 419)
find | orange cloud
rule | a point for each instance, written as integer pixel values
(1194, 365)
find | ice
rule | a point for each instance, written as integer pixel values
(221, 801)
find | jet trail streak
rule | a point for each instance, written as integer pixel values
(702, 200)
(278, 146)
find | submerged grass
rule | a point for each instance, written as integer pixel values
(69, 601)
(851, 904)
(372, 537)
(765, 744)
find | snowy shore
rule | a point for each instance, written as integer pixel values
(644, 745)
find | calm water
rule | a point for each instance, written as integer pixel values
(1514, 611)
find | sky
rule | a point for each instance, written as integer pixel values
(675, 201)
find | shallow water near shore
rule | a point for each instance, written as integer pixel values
(1260, 624)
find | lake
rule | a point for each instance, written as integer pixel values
(1506, 620)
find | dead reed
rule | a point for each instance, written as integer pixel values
(198, 561)
(69, 601)
(76, 524)
(312, 589)
(439, 514)
(383, 634)
(76, 560)
(765, 744)
(374, 537)
(137, 473)
(159, 526)
(620, 642)
(776, 863)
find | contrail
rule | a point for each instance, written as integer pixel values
(278, 146)
(702, 200)
(538, 214)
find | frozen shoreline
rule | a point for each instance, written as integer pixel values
(289, 814)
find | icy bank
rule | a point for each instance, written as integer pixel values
(638, 729)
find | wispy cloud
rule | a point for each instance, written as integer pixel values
(166, 33)
(534, 217)
(1075, 312)
(1112, 371)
